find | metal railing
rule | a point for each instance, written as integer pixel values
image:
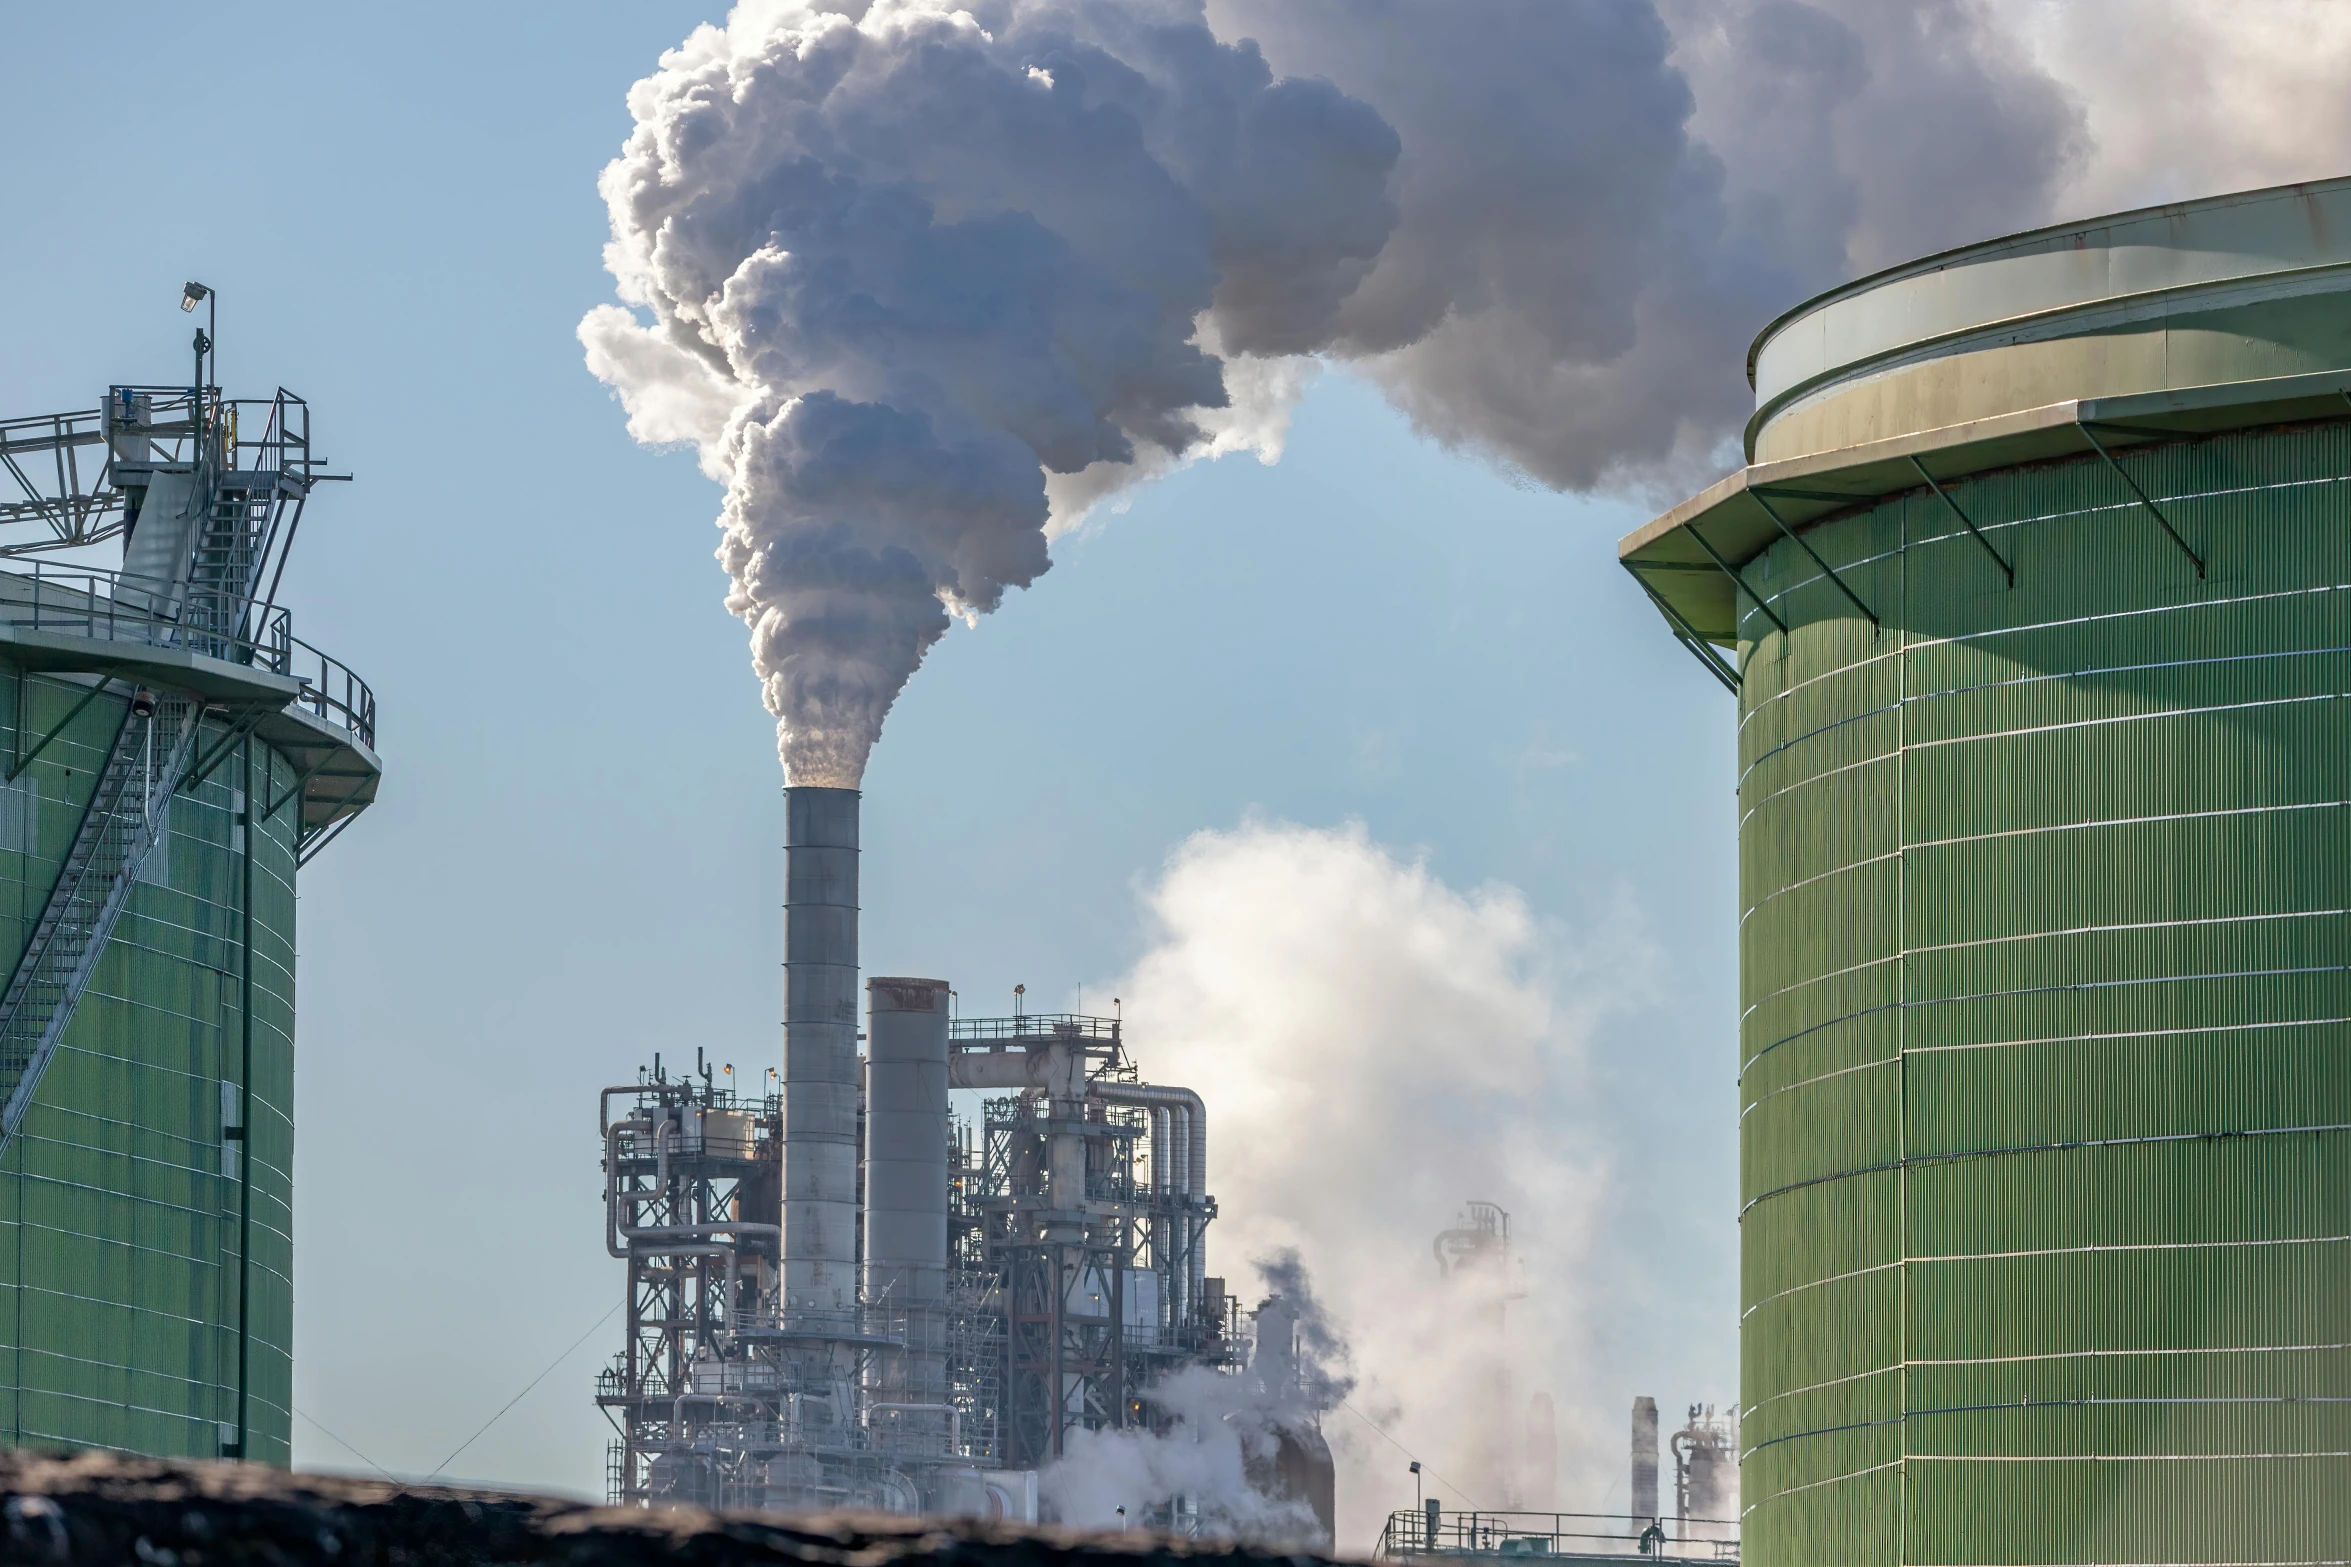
(872, 1325)
(1430, 1532)
(1041, 1027)
(89, 601)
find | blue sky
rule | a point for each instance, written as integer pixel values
(575, 861)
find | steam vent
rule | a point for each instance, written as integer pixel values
(2036, 601)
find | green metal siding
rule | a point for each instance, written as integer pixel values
(118, 1229)
(2045, 1052)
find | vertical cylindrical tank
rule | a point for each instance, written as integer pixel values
(2040, 589)
(906, 1192)
(820, 1049)
(1645, 1458)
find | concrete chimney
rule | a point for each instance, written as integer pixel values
(820, 1050)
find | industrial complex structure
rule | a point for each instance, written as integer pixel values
(173, 753)
(2037, 587)
(1699, 1527)
(840, 1296)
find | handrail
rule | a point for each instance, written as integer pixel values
(100, 604)
(1479, 1532)
(1036, 1028)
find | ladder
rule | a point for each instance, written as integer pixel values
(212, 586)
(144, 768)
(226, 557)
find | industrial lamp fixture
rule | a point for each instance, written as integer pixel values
(192, 294)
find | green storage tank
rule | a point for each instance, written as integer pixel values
(2037, 595)
(169, 754)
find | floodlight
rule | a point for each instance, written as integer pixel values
(193, 294)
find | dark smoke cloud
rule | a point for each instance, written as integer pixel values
(917, 277)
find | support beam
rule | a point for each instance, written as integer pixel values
(1687, 636)
(245, 724)
(1738, 583)
(1944, 496)
(1778, 522)
(301, 782)
(2153, 510)
(27, 759)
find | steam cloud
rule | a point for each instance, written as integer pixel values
(924, 280)
(1226, 1434)
(1307, 978)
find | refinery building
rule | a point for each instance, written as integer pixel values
(839, 1295)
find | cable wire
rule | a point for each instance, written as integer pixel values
(1409, 1453)
(348, 1448)
(443, 1466)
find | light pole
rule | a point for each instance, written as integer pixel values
(193, 294)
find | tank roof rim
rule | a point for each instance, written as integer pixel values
(1944, 259)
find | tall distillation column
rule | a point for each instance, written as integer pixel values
(1645, 1459)
(906, 1129)
(820, 1052)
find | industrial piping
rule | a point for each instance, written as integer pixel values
(1054, 1069)
(820, 1050)
(1188, 1118)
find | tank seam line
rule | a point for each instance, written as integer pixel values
(1784, 791)
(2117, 719)
(1976, 942)
(2042, 1403)
(1814, 1485)
(2121, 1458)
(2119, 1246)
(1935, 1362)
(2073, 987)
(2221, 813)
(2009, 685)
(2144, 1033)
(2031, 1148)
(2091, 1354)
(116, 1365)
(2054, 1039)
(1863, 664)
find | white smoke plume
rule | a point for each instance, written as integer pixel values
(1219, 1452)
(898, 260)
(924, 280)
(1375, 1048)
(2187, 98)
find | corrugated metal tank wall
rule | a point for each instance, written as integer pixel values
(2046, 1021)
(118, 1227)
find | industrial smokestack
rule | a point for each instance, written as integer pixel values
(1645, 1458)
(1539, 1488)
(820, 1049)
(906, 1196)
